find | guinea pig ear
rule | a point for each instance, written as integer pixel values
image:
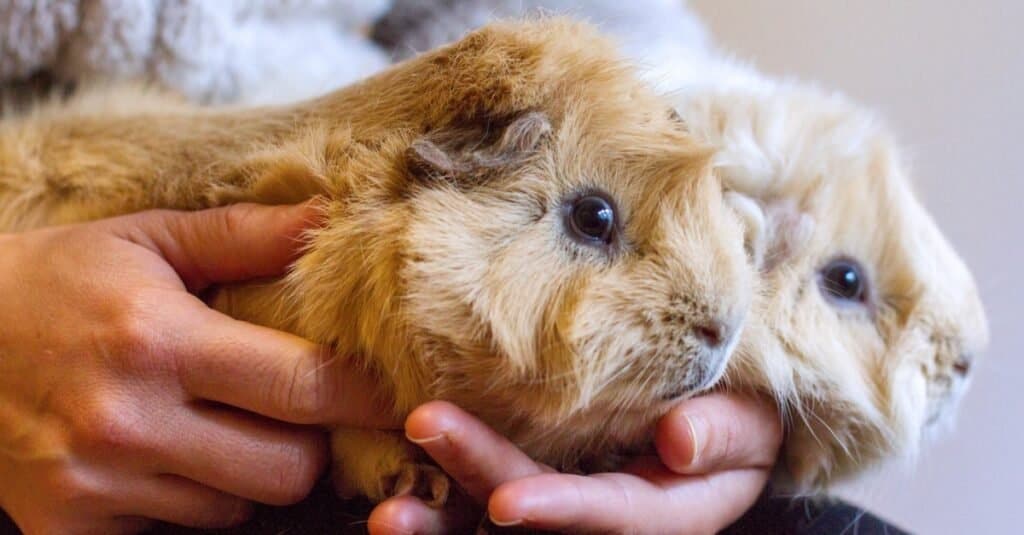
(467, 156)
(755, 225)
(673, 115)
(427, 160)
(774, 231)
(523, 135)
(788, 230)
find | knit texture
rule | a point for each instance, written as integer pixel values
(273, 51)
(243, 51)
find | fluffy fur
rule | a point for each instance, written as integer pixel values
(446, 266)
(859, 383)
(815, 178)
(447, 263)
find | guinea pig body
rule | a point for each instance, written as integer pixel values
(514, 223)
(824, 195)
(868, 321)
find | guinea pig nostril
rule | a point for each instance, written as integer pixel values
(962, 365)
(711, 334)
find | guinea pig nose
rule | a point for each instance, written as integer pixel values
(962, 365)
(712, 334)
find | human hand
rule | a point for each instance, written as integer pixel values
(715, 456)
(120, 390)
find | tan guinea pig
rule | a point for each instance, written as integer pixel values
(514, 223)
(867, 321)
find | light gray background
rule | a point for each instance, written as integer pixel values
(949, 77)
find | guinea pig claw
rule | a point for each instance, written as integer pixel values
(426, 482)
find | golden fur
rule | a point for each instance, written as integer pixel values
(445, 265)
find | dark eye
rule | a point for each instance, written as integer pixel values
(843, 280)
(592, 219)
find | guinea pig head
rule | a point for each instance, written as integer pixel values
(573, 278)
(868, 323)
(565, 272)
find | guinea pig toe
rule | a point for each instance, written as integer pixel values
(424, 481)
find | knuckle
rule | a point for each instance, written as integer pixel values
(723, 440)
(130, 331)
(295, 473)
(131, 339)
(112, 427)
(236, 218)
(72, 488)
(305, 392)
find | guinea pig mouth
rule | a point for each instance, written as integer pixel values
(704, 375)
(708, 367)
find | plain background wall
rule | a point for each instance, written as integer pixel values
(949, 77)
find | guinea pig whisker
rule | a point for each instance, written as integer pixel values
(802, 413)
(839, 441)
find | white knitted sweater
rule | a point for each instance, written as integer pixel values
(266, 51)
(210, 50)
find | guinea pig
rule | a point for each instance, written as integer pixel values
(866, 323)
(514, 223)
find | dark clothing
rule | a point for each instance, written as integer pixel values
(323, 514)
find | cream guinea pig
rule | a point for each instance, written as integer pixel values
(867, 323)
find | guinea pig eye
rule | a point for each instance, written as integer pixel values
(592, 219)
(843, 280)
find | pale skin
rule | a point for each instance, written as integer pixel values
(124, 399)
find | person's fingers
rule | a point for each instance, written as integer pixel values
(408, 514)
(623, 503)
(278, 375)
(719, 431)
(234, 243)
(180, 501)
(476, 457)
(243, 455)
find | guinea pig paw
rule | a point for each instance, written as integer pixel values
(424, 481)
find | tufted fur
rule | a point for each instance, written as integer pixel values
(446, 264)
(858, 383)
(814, 177)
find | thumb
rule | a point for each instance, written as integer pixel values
(719, 432)
(234, 243)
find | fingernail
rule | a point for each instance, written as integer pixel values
(698, 426)
(424, 440)
(505, 523)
